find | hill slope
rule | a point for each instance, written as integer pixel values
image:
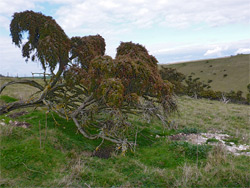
(229, 73)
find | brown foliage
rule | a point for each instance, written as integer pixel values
(92, 84)
(84, 49)
(46, 40)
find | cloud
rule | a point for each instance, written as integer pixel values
(216, 51)
(188, 52)
(94, 14)
(145, 13)
(126, 19)
(243, 51)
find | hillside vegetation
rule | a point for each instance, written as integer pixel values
(229, 73)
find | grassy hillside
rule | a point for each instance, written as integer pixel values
(19, 91)
(52, 153)
(229, 73)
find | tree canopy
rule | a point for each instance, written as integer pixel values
(94, 90)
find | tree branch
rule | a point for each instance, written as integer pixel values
(27, 82)
(16, 105)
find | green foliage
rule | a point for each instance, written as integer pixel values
(214, 140)
(248, 88)
(248, 94)
(188, 130)
(195, 88)
(7, 99)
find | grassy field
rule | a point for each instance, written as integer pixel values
(19, 91)
(230, 73)
(53, 154)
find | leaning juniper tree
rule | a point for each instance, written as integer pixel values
(90, 88)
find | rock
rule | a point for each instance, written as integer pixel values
(2, 123)
(203, 137)
(20, 124)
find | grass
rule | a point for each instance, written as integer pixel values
(7, 99)
(213, 140)
(18, 91)
(214, 116)
(61, 157)
(234, 70)
(58, 156)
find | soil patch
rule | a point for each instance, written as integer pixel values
(103, 153)
(17, 114)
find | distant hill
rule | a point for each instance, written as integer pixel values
(228, 73)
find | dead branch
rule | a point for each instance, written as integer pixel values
(26, 82)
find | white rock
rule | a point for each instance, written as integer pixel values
(2, 123)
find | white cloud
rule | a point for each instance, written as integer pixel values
(243, 51)
(114, 14)
(216, 51)
(177, 52)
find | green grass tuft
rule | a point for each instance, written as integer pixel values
(213, 140)
(7, 99)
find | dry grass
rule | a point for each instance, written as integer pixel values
(18, 91)
(214, 116)
(236, 68)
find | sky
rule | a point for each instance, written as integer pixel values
(171, 30)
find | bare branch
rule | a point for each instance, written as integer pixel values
(17, 105)
(26, 82)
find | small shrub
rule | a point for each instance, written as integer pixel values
(209, 81)
(225, 75)
(210, 65)
(7, 99)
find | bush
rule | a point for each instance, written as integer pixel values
(209, 81)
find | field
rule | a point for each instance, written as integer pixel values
(229, 73)
(50, 152)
